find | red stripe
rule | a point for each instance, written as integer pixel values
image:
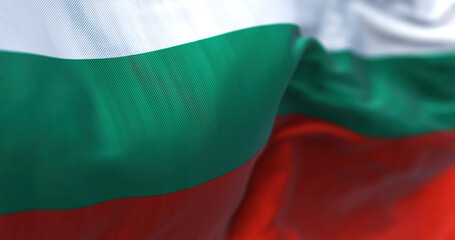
(319, 181)
(314, 180)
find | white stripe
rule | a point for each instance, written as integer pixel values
(111, 28)
(83, 29)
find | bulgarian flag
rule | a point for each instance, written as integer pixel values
(227, 119)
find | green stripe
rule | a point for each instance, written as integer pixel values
(77, 132)
(384, 96)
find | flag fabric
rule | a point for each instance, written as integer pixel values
(228, 119)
